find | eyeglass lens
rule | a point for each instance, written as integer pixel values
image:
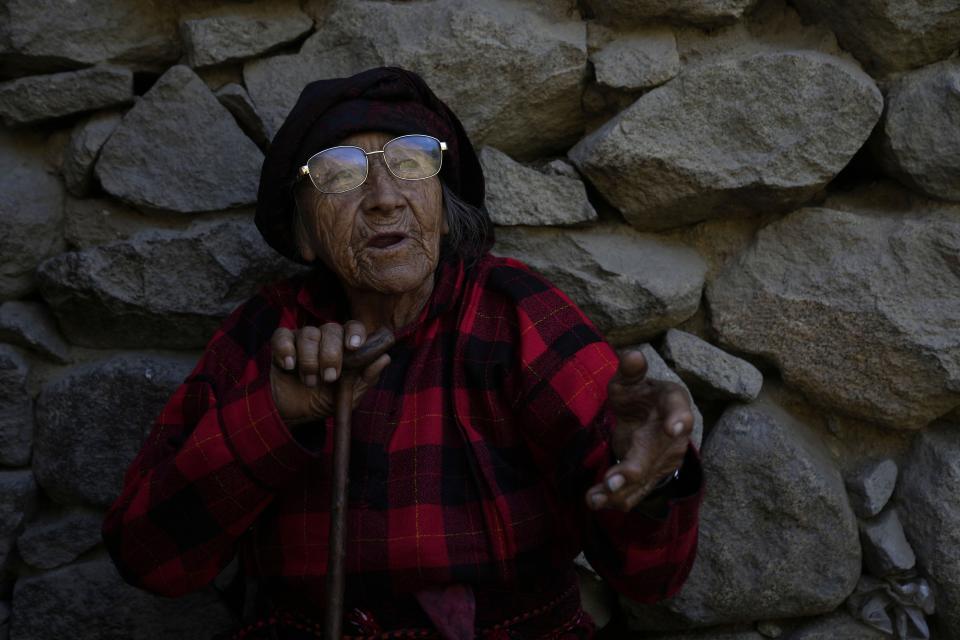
(343, 168)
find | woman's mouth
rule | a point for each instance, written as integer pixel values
(386, 240)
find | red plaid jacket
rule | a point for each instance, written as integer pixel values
(469, 462)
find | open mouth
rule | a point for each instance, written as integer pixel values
(385, 240)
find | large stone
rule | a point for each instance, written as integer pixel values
(637, 60)
(160, 288)
(777, 536)
(237, 101)
(835, 626)
(89, 601)
(31, 325)
(59, 536)
(18, 500)
(512, 71)
(92, 420)
(35, 98)
(919, 140)
(710, 371)
(928, 505)
(45, 35)
(700, 12)
(519, 195)
(89, 222)
(889, 36)
(16, 408)
(871, 487)
(180, 150)
(632, 285)
(31, 212)
(694, 149)
(85, 142)
(885, 548)
(810, 301)
(242, 31)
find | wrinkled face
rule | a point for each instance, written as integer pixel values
(382, 236)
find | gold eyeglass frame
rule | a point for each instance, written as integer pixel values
(304, 171)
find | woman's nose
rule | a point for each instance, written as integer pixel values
(383, 191)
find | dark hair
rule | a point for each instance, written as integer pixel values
(470, 228)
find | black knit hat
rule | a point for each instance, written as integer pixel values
(381, 99)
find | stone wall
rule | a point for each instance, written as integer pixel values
(764, 195)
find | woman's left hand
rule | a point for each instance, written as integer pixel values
(654, 422)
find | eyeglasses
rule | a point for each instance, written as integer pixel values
(409, 157)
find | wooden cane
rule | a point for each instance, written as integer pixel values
(353, 363)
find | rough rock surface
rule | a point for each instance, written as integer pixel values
(88, 222)
(885, 548)
(18, 497)
(51, 34)
(701, 12)
(88, 433)
(836, 626)
(160, 288)
(871, 487)
(890, 36)
(919, 139)
(143, 161)
(85, 142)
(237, 101)
(247, 30)
(89, 601)
(708, 370)
(16, 408)
(659, 370)
(59, 537)
(694, 149)
(519, 195)
(930, 511)
(513, 72)
(631, 285)
(36, 98)
(811, 300)
(31, 208)
(637, 60)
(777, 534)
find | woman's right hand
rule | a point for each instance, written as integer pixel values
(307, 362)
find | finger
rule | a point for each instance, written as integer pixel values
(674, 404)
(283, 348)
(308, 345)
(354, 334)
(331, 351)
(633, 364)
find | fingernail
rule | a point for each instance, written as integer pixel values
(598, 499)
(355, 341)
(677, 428)
(615, 482)
(329, 374)
(288, 363)
(310, 380)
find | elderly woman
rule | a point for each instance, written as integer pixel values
(498, 437)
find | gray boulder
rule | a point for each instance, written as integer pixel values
(871, 486)
(85, 142)
(700, 12)
(159, 288)
(180, 150)
(89, 222)
(16, 408)
(237, 101)
(835, 626)
(18, 500)
(31, 210)
(810, 301)
(885, 548)
(519, 195)
(631, 285)
(89, 601)
(59, 536)
(242, 31)
(710, 371)
(777, 536)
(35, 98)
(890, 36)
(636, 60)
(928, 505)
(92, 420)
(694, 149)
(512, 71)
(919, 140)
(31, 325)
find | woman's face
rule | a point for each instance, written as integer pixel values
(382, 236)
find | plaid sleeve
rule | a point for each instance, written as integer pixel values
(214, 459)
(559, 388)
